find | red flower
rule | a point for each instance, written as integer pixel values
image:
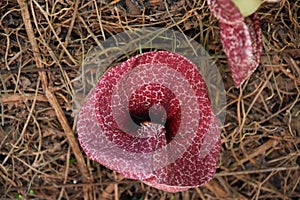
(241, 38)
(150, 118)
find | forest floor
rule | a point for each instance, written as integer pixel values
(40, 58)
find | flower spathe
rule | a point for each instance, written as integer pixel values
(240, 36)
(150, 119)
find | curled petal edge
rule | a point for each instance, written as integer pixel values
(225, 11)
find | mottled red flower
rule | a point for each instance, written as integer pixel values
(241, 38)
(150, 118)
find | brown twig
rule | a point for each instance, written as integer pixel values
(52, 99)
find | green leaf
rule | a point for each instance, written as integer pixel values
(72, 161)
(247, 7)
